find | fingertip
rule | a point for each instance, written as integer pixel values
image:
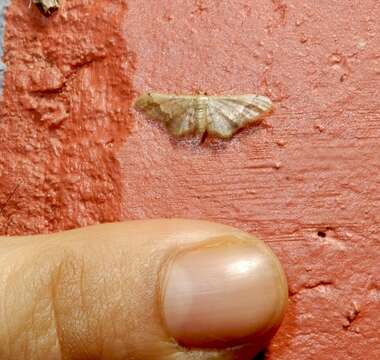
(224, 292)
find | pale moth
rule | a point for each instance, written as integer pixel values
(47, 6)
(220, 116)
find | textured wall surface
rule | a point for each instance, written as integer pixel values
(73, 152)
(3, 7)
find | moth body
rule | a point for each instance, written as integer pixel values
(201, 114)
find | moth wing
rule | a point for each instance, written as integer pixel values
(227, 114)
(176, 112)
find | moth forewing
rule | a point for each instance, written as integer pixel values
(176, 112)
(220, 116)
(228, 114)
(183, 125)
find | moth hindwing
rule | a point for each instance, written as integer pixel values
(220, 116)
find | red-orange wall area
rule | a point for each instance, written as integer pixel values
(73, 151)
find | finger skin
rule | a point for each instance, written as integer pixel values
(92, 293)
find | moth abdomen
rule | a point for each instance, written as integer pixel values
(201, 113)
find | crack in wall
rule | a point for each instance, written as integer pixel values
(311, 286)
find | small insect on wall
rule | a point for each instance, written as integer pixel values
(220, 116)
(47, 6)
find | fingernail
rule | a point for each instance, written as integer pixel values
(222, 293)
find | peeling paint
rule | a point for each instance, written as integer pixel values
(3, 7)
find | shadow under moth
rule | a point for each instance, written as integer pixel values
(219, 116)
(47, 6)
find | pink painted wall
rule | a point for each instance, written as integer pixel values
(74, 152)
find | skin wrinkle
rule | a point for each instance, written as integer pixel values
(56, 321)
(4, 284)
(88, 279)
(34, 312)
(74, 275)
(58, 260)
(100, 329)
(18, 285)
(115, 297)
(51, 272)
(13, 334)
(82, 290)
(4, 323)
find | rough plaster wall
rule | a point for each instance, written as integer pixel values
(64, 112)
(3, 7)
(307, 181)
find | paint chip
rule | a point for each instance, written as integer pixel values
(361, 44)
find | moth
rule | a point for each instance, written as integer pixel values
(219, 116)
(47, 6)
